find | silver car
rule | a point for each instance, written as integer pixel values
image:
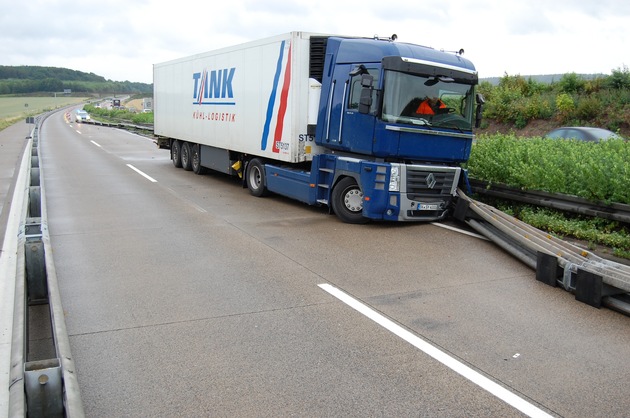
(583, 134)
(81, 115)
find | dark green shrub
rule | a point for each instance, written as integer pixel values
(594, 171)
(571, 83)
(589, 108)
(619, 79)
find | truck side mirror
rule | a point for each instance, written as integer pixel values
(367, 80)
(365, 101)
(480, 102)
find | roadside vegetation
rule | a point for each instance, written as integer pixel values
(510, 149)
(602, 101)
(597, 234)
(599, 172)
(125, 114)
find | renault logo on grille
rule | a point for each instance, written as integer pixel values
(430, 181)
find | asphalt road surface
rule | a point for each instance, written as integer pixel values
(186, 296)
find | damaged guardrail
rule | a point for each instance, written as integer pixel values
(613, 211)
(42, 384)
(593, 279)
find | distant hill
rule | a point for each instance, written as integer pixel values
(28, 79)
(30, 72)
(545, 78)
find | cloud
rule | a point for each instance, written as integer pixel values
(121, 40)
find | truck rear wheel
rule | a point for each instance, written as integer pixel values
(255, 178)
(195, 159)
(176, 153)
(185, 156)
(347, 201)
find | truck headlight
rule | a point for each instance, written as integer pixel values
(394, 179)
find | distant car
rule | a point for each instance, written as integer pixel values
(81, 115)
(582, 133)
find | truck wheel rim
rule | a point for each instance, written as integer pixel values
(354, 200)
(255, 177)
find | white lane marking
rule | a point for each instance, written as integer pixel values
(97, 144)
(461, 231)
(79, 132)
(151, 179)
(450, 362)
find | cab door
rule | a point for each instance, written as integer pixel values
(336, 106)
(357, 126)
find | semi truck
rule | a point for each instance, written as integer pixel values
(373, 128)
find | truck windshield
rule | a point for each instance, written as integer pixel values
(434, 101)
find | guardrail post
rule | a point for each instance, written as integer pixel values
(35, 260)
(547, 268)
(44, 389)
(462, 211)
(588, 288)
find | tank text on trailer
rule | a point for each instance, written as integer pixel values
(373, 128)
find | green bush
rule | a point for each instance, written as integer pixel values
(594, 171)
(564, 106)
(142, 118)
(592, 230)
(620, 78)
(119, 115)
(571, 83)
(589, 108)
(602, 101)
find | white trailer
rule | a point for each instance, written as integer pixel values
(326, 120)
(255, 99)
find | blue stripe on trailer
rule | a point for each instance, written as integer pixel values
(272, 99)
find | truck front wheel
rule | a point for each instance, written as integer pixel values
(176, 156)
(255, 178)
(347, 201)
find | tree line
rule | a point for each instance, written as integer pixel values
(27, 79)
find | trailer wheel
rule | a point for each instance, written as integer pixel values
(185, 156)
(347, 201)
(176, 153)
(195, 160)
(255, 178)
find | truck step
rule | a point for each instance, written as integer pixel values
(322, 201)
(323, 186)
(326, 170)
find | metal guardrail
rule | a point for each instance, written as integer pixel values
(614, 211)
(122, 125)
(593, 279)
(39, 387)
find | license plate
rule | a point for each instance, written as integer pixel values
(425, 206)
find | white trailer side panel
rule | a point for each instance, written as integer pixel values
(252, 98)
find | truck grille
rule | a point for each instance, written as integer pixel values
(424, 182)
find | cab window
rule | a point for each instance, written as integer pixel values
(355, 89)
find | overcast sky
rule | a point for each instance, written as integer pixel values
(122, 39)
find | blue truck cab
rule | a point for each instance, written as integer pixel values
(397, 122)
